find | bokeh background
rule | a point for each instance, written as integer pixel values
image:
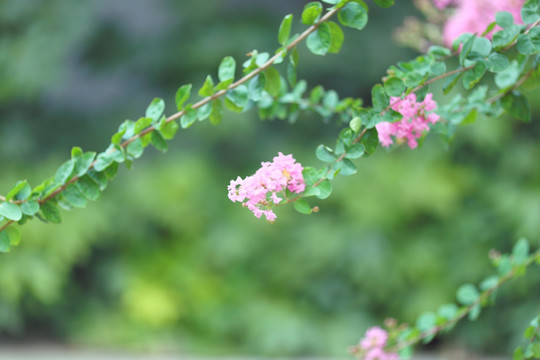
(165, 261)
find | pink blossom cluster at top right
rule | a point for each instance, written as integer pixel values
(474, 16)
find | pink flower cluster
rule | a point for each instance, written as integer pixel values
(373, 343)
(259, 192)
(415, 120)
(474, 16)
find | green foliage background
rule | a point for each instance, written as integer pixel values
(165, 260)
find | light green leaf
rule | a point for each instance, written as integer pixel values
(508, 77)
(497, 62)
(135, 148)
(20, 191)
(320, 41)
(467, 294)
(182, 95)
(530, 12)
(64, 172)
(204, 111)
(169, 129)
(379, 98)
(336, 36)
(5, 244)
(158, 141)
(216, 116)
(285, 29)
(353, 15)
(155, 109)
(238, 96)
(473, 76)
(394, 86)
(273, 81)
(504, 19)
(256, 87)
(142, 124)
(50, 212)
(325, 189)
(30, 207)
(83, 163)
(74, 197)
(302, 207)
(10, 211)
(207, 88)
(88, 188)
(103, 160)
(355, 151)
(311, 12)
(520, 252)
(348, 167)
(227, 68)
(189, 118)
(324, 153)
(529, 44)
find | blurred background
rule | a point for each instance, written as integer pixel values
(165, 262)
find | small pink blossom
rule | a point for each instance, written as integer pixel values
(373, 343)
(259, 192)
(414, 122)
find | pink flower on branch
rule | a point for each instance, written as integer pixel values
(416, 117)
(268, 186)
(371, 346)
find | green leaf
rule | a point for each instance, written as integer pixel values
(517, 106)
(189, 118)
(10, 211)
(204, 111)
(74, 197)
(216, 116)
(111, 171)
(88, 188)
(529, 44)
(394, 86)
(302, 207)
(467, 294)
(353, 15)
(273, 81)
(256, 87)
(135, 148)
(384, 3)
(370, 140)
(481, 46)
(227, 68)
(182, 95)
(30, 207)
(5, 244)
(64, 172)
(311, 175)
(207, 88)
(311, 12)
(426, 322)
(285, 29)
(466, 49)
(508, 77)
(99, 178)
(473, 76)
(169, 129)
(530, 12)
(379, 98)
(348, 168)
(50, 212)
(20, 191)
(439, 51)
(504, 37)
(504, 19)
(356, 124)
(103, 161)
(325, 189)
(475, 312)
(448, 311)
(83, 163)
(355, 151)
(155, 109)
(336, 36)
(520, 252)
(497, 62)
(324, 153)
(158, 141)
(450, 82)
(238, 96)
(320, 41)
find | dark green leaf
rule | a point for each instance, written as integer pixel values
(497, 62)
(504, 37)
(529, 44)
(74, 197)
(273, 81)
(50, 212)
(384, 3)
(158, 141)
(370, 140)
(355, 151)
(216, 116)
(473, 76)
(517, 106)
(238, 96)
(379, 98)
(325, 189)
(348, 168)
(88, 188)
(5, 244)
